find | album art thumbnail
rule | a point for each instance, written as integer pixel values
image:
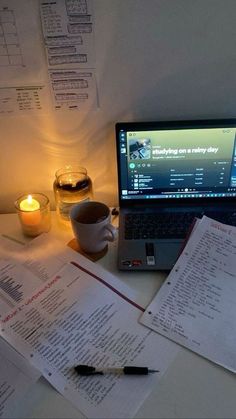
(140, 148)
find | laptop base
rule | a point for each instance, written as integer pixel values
(148, 255)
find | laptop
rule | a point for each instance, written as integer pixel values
(168, 174)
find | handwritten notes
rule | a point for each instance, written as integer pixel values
(196, 307)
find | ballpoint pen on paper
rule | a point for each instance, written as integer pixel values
(86, 370)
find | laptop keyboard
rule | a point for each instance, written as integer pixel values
(168, 225)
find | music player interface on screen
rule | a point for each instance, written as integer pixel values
(178, 163)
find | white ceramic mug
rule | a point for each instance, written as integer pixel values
(91, 226)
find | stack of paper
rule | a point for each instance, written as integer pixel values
(80, 314)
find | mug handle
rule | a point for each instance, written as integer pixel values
(113, 233)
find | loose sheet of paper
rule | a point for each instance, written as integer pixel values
(22, 64)
(16, 374)
(21, 54)
(39, 260)
(23, 268)
(69, 42)
(23, 99)
(20, 273)
(195, 307)
(67, 80)
(16, 377)
(78, 316)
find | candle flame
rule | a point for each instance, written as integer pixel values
(29, 199)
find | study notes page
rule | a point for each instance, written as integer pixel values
(195, 306)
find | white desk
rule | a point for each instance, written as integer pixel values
(191, 388)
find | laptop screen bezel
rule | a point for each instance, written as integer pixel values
(170, 125)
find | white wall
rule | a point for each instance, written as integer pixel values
(155, 59)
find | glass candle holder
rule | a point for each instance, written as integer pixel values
(71, 186)
(34, 213)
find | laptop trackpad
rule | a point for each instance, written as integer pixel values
(165, 254)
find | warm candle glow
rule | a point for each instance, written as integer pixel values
(34, 213)
(29, 204)
(30, 208)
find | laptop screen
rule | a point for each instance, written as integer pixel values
(188, 159)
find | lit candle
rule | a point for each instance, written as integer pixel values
(34, 214)
(30, 211)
